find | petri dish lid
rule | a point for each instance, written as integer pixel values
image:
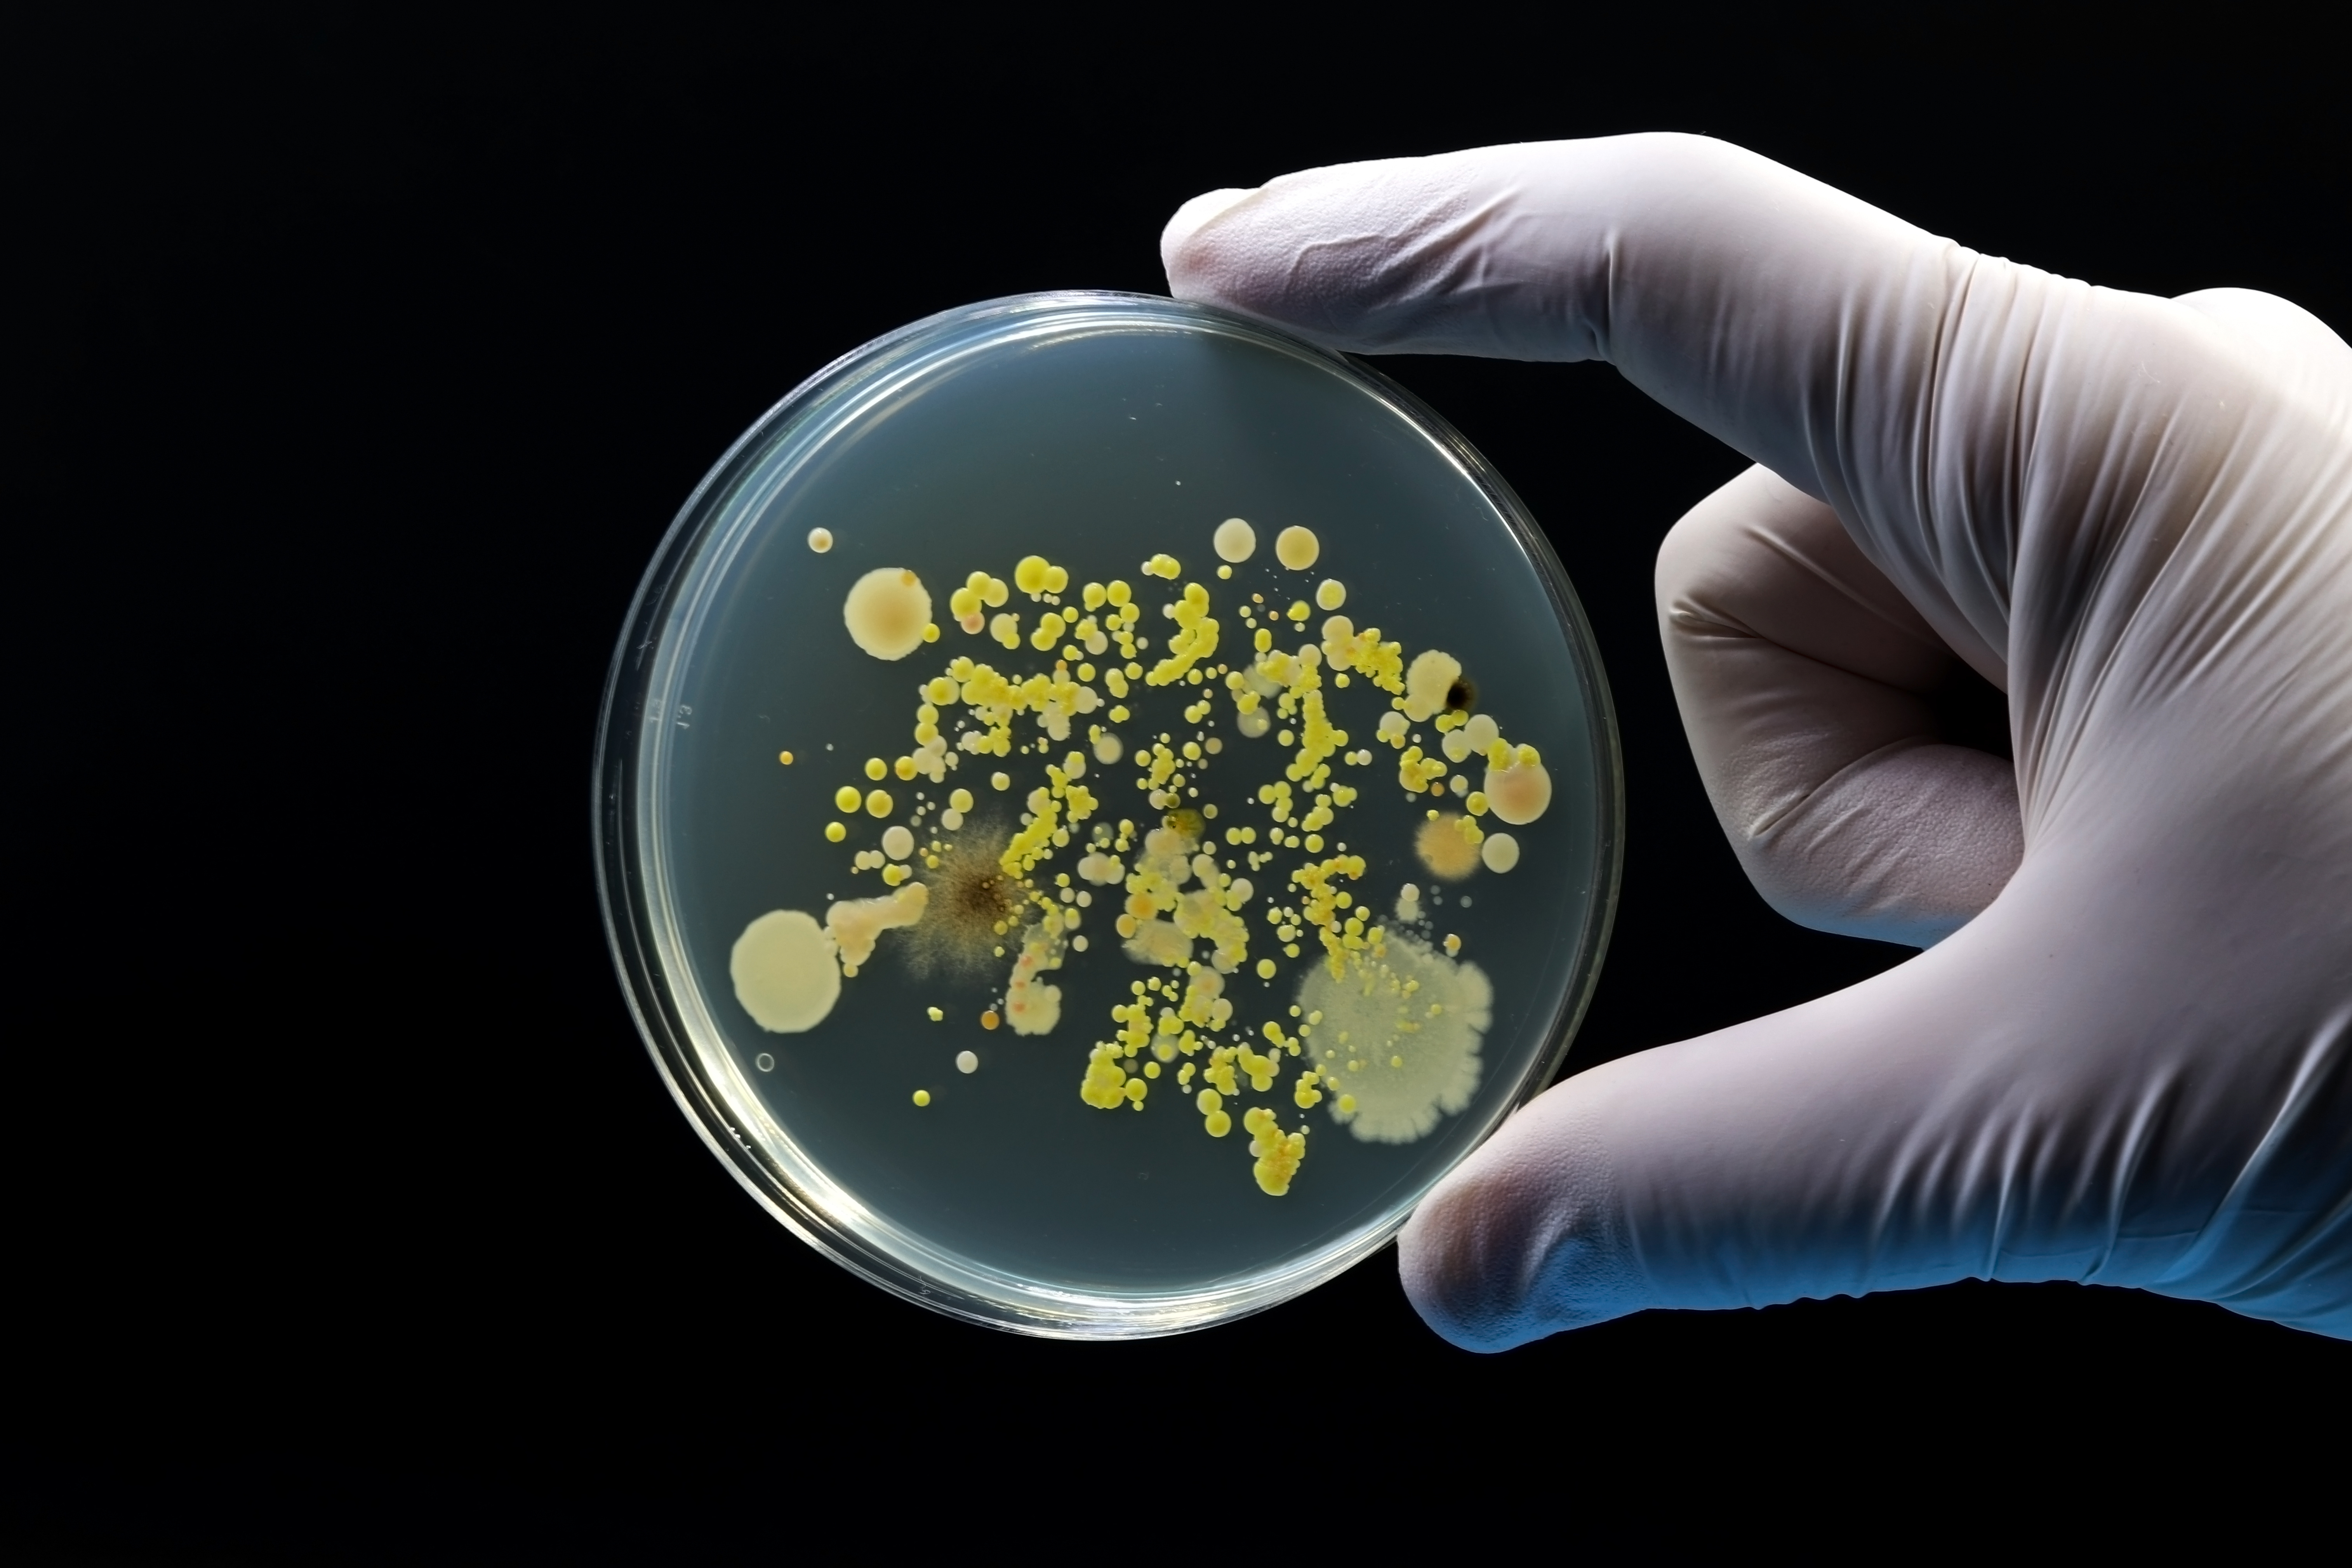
(1153, 905)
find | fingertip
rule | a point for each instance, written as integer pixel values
(1364, 256)
(1450, 1297)
(1182, 253)
(1519, 1243)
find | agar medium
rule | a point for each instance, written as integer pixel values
(1088, 786)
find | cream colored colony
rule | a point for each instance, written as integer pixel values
(1386, 1022)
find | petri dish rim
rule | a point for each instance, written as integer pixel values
(687, 1048)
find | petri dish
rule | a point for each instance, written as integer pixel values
(1099, 805)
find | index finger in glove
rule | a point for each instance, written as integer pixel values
(1917, 387)
(1748, 299)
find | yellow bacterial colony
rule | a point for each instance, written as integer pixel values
(887, 611)
(1101, 722)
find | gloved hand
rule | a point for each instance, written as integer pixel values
(2126, 1055)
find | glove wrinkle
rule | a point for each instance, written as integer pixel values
(2303, 1261)
(1905, 845)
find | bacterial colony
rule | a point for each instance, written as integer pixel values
(1074, 783)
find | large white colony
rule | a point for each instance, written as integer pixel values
(1401, 1036)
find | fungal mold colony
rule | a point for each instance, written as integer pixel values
(1104, 806)
(1137, 817)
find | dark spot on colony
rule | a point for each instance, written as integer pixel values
(974, 891)
(1462, 695)
(970, 898)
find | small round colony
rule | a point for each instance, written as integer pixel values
(820, 540)
(1330, 593)
(1234, 539)
(966, 1062)
(1296, 548)
(1475, 737)
(1034, 575)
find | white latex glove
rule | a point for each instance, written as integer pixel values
(2127, 1059)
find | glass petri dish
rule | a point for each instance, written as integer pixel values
(1218, 929)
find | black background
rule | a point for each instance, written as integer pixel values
(357, 367)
